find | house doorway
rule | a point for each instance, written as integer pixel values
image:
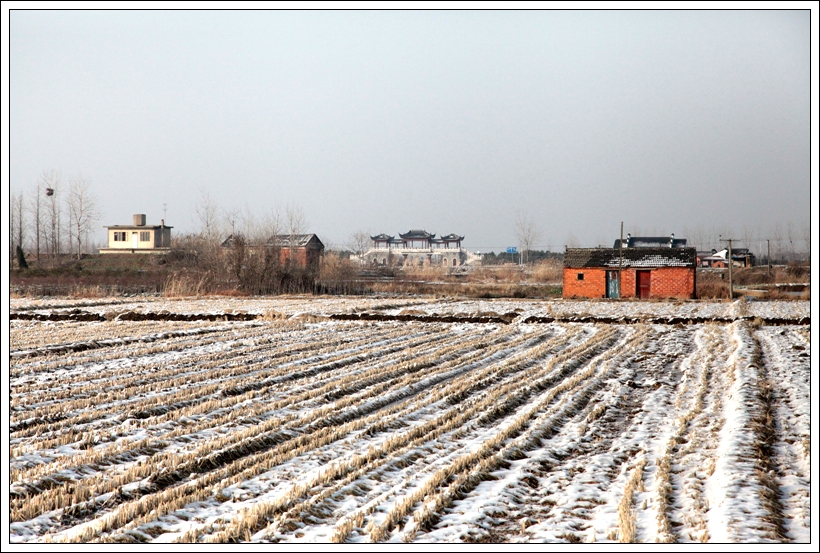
(613, 285)
(135, 240)
(642, 281)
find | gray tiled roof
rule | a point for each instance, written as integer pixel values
(284, 241)
(417, 233)
(632, 257)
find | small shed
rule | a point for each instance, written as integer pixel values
(630, 272)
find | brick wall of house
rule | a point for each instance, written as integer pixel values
(672, 282)
(302, 257)
(592, 286)
(666, 282)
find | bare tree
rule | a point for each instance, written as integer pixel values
(271, 225)
(807, 241)
(232, 219)
(527, 233)
(791, 235)
(695, 237)
(295, 219)
(296, 224)
(82, 211)
(36, 218)
(359, 242)
(50, 182)
(249, 224)
(208, 214)
(748, 234)
(16, 226)
(777, 238)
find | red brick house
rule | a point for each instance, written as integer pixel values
(302, 250)
(644, 272)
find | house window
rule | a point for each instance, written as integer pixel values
(580, 276)
(119, 237)
(145, 236)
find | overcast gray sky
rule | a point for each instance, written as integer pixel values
(451, 121)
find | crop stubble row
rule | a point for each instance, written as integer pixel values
(391, 400)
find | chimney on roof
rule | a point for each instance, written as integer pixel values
(162, 222)
(139, 220)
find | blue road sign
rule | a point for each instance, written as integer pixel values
(512, 250)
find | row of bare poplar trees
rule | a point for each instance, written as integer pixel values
(55, 218)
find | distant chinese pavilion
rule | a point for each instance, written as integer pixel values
(417, 239)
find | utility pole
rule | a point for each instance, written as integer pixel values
(729, 257)
(768, 260)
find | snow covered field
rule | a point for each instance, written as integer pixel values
(298, 427)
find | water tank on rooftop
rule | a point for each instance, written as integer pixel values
(139, 220)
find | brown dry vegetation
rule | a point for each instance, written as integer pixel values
(181, 275)
(755, 281)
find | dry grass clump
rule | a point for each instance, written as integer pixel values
(272, 315)
(89, 292)
(547, 270)
(626, 515)
(425, 272)
(712, 289)
(184, 285)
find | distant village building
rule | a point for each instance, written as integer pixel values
(419, 247)
(713, 259)
(303, 250)
(644, 270)
(138, 238)
(741, 257)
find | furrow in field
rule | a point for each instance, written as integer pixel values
(58, 349)
(273, 458)
(739, 492)
(233, 345)
(487, 400)
(552, 415)
(254, 457)
(153, 378)
(49, 481)
(436, 430)
(594, 452)
(29, 371)
(786, 369)
(38, 336)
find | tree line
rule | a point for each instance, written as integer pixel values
(55, 219)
